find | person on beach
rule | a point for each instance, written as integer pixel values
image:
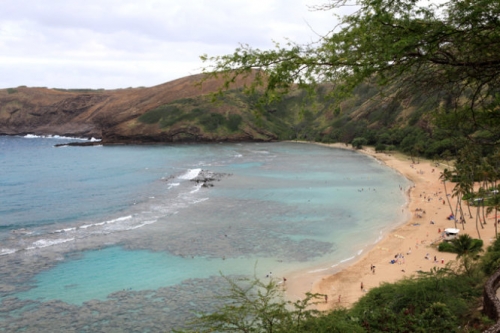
(326, 298)
(362, 288)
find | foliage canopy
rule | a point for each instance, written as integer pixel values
(454, 46)
(445, 299)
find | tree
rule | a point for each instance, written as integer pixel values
(465, 245)
(255, 306)
(358, 143)
(494, 206)
(453, 46)
(446, 176)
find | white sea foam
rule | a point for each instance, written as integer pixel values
(379, 238)
(350, 258)
(318, 270)
(190, 174)
(64, 230)
(360, 251)
(123, 218)
(199, 200)
(33, 136)
(142, 224)
(197, 188)
(4, 252)
(48, 242)
(173, 185)
(120, 219)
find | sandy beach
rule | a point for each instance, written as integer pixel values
(409, 244)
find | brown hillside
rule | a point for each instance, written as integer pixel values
(92, 113)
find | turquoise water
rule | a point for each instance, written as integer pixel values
(99, 273)
(103, 231)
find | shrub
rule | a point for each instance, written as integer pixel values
(162, 112)
(380, 147)
(358, 143)
(212, 121)
(446, 247)
(233, 122)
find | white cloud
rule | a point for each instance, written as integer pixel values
(121, 43)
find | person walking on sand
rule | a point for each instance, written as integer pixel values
(362, 288)
(326, 298)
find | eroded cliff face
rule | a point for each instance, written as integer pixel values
(44, 111)
(111, 115)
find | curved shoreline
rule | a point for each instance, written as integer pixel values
(412, 239)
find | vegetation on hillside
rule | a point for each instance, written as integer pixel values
(441, 60)
(429, 75)
(441, 300)
(365, 118)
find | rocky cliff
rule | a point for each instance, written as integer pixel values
(112, 115)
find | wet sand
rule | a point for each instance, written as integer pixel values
(409, 243)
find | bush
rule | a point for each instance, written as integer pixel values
(380, 147)
(233, 122)
(446, 247)
(412, 304)
(212, 121)
(358, 143)
(491, 259)
(164, 112)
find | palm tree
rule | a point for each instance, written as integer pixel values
(495, 205)
(461, 189)
(445, 176)
(465, 245)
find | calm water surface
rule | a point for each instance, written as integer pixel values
(124, 238)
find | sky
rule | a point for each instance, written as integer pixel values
(139, 43)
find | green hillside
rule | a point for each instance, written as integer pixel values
(368, 116)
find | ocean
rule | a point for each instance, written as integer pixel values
(137, 238)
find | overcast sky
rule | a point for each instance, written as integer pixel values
(131, 43)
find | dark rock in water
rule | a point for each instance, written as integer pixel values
(79, 144)
(207, 178)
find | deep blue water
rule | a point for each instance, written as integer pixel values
(81, 225)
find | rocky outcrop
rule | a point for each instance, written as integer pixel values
(207, 178)
(491, 303)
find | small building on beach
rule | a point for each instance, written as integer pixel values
(450, 233)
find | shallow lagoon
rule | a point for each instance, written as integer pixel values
(122, 226)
